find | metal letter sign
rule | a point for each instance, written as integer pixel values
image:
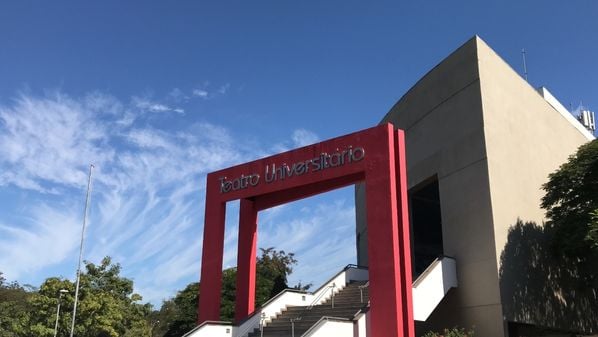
(375, 156)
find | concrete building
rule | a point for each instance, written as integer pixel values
(480, 143)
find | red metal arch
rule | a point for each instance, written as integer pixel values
(373, 156)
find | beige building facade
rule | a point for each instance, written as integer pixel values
(480, 143)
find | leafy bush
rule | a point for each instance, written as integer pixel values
(454, 332)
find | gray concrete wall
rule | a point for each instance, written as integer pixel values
(491, 140)
(443, 119)
(526, 139)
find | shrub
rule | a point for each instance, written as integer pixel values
(454, 332)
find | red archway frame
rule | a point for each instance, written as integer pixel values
(382, 156)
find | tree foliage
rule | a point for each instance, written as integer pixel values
(14, 308)
(107, 306)
(571, 203)
(179, 315)
(272, 270)
(454, 332)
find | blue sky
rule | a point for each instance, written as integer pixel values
(157, 94)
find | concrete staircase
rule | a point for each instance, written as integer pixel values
(347, 303)
(290, 308)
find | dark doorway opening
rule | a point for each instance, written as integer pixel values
(426, 223)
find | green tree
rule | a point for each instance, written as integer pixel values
(229, 286)
(107, 305)
(161, 320)
(272, 270)
(44, 303)
(593, 232)
(14, 309)
(179, 315)
(571, 203)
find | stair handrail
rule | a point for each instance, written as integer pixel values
(310, 306)
(258, 311)
(293, 320)
(345, 268)
(318, 298)
(332, 286)
(262, 319)
(243, 330)
(361, 288)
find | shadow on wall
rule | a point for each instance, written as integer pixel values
(538, 287)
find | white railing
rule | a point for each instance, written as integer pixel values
(361, 320)
(287, 298)
(211, 329)
(431, 286)
(428, 290)
(272, 308)
(331, 327)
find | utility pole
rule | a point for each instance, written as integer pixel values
(87, 197)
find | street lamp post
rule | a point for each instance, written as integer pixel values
(60, 292)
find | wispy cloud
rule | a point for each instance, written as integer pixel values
(322, 236)
(206, 91)
(47, 142)
(45, 237)
(146, 104)
(224, 89)
(178, 96)
(148, 193)
(303, 137)
(299, 138)
(200, 93)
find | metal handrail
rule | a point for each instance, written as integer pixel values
(332, 286)
(293, 325)
(259, 311)
(349, 266)
(312, 304)
(264, 305)
(345, 268)
(262, 319)
(361, 287)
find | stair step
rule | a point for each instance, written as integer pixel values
(347, 302)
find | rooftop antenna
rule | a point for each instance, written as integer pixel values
(87, 197)
(587, 118)
(524, 64)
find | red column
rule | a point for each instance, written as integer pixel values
(246, 260)
(404, 237)
(386, 311)
(212, 252)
